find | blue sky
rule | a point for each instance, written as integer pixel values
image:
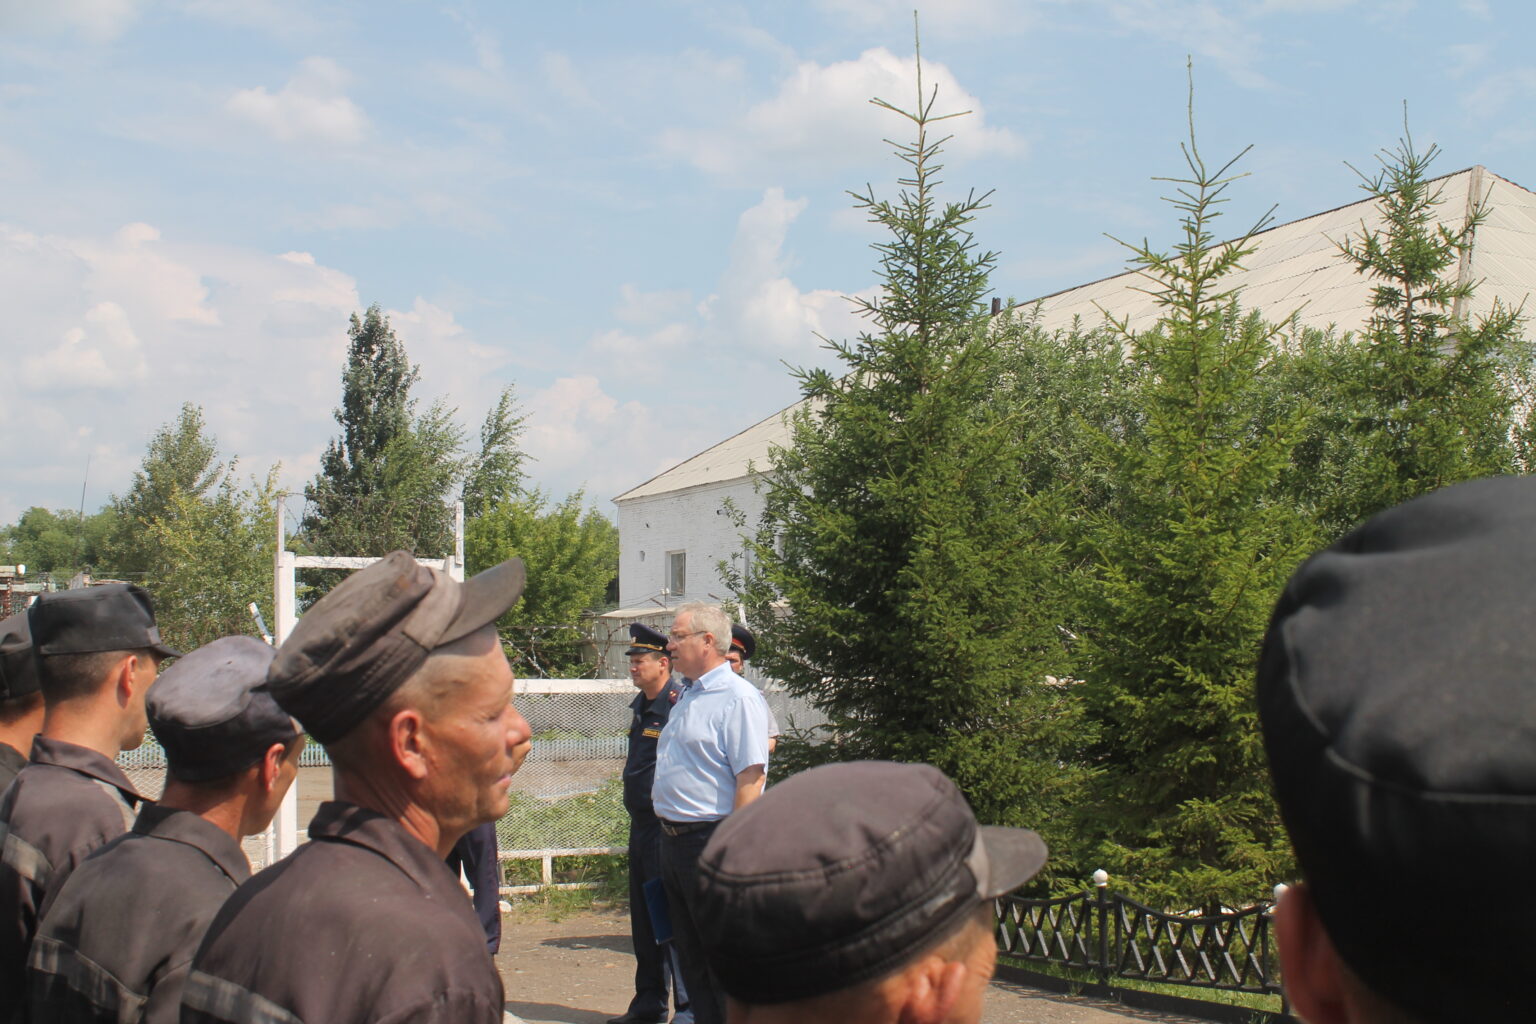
(633, 212)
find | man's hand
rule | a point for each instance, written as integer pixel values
(749, 785)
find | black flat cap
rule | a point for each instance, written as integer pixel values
(645, 640)
(363, 640)
(843, 873)
(18, 668)
(111, 617)
(743, 640)
(1397, 695)
(209, 715)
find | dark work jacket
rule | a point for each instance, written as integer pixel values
(12, 761)
(640, 766)
(63, 806)
(362, 923)
(117, 941)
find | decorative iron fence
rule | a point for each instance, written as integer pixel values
(1113, 936)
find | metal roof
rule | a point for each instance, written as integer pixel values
(1294, 268)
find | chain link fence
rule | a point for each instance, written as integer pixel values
(566, 800)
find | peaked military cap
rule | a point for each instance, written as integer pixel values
(645, 640)
(743, 640)
(111, 617)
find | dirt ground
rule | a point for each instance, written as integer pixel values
(580, 970)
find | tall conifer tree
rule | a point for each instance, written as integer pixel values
(1185, 564)
(897, 577)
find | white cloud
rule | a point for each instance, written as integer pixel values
(756, 312)
(311, 107)
(97, 20)
(1466, 58)
(110, 334)
(1491, 96)
(822, 120)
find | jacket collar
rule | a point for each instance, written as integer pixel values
(180, 826)
(84, 760)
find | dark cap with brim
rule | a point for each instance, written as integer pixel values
(90, 620)
(18, 667)
(364, 639)
(843, 874)
(645, 640)
(1397, 695)
(743, 640)
(211, 712)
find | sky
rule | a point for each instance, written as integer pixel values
(635, 214)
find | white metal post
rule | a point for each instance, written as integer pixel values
(285, 831)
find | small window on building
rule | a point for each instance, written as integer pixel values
(677, 572)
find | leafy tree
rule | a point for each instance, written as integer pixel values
(181, 461)
(56, 542)
(1185, 563)
(571, 553)
(1424, 397)
(385, 482)
(900, 538)
(215, 558)
(497, 474)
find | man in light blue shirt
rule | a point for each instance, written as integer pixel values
(711, 760)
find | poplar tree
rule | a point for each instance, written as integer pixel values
(899, 578)
(1185, 563)
(386, 481)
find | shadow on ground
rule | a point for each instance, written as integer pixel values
(612, 943)
(556, 1012)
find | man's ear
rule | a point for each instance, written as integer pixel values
(1310, 966)
(409, 743)
(932, 986)
(271, 765)
(125, 680)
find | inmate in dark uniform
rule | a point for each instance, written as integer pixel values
(117, 941)
(364, 922)
(653, 964)
(68, 802)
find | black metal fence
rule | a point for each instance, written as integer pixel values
(1112, 936)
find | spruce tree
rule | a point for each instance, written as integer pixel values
(898, 578)
(1184, 564)
(385, 483)
(1425, 396)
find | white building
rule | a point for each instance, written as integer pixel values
(674, 530)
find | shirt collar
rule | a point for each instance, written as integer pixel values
(180, 826)
(341, 822)
(717, 678)
(83, 760)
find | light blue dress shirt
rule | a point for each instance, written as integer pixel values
(718, 729)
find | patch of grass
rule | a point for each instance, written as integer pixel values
(576, 822)
(610, 872)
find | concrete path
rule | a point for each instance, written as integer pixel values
(580, 970)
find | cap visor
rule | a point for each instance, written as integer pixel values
(164, 651)
(1014, 856)
(487, 597)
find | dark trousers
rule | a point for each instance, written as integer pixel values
(680, 873)
(476, 852)
(657, 968)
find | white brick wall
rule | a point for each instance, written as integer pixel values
(691, 520)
